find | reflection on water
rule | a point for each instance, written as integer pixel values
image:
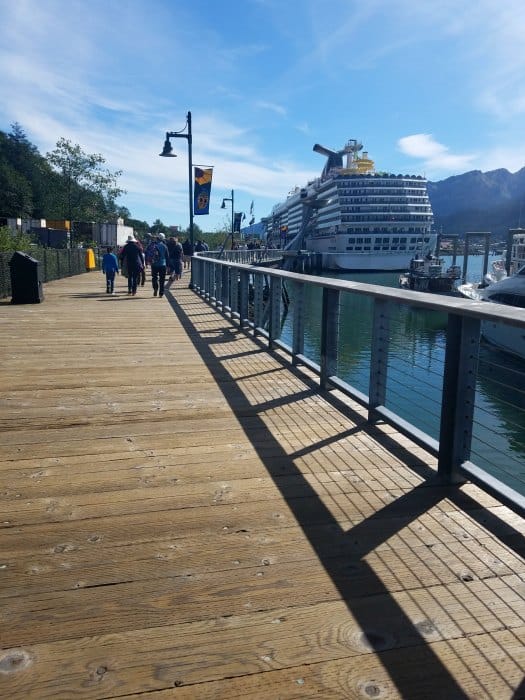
(500, 415)
(415, 371)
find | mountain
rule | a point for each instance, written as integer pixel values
(493, 201)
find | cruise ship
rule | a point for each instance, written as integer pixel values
(355, 217)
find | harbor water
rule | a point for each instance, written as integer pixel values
(417, 350)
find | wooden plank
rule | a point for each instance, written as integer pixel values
(278, 654)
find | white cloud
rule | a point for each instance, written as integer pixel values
(271, 106)
(303, 128)
(435, 156)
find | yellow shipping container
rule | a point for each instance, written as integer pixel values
(62, 224)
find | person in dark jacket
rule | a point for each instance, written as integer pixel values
(133, 257)
(187, 248)
(159, 262)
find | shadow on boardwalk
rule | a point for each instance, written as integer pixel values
(403, 647)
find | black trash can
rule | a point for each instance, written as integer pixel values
(26, 279)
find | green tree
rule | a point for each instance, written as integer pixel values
(34, 174)
(158, 227)
(16, 193)
(140, 227)
(86, 191)
(13, 240)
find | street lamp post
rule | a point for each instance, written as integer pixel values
(223, 206)
(167, 151)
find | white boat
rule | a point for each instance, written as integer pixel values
(354, 217)
(498, 270)
(511, 292)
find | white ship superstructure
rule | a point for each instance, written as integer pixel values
(357, 218)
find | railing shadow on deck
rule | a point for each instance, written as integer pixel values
(343, 553)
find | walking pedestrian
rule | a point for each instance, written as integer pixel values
(133, 257)
(176, 254)
(110, 269)
(159, 262)
(187, 248)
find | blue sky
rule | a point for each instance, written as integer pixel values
(435, 87)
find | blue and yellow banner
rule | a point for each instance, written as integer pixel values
(237, 221)
(202, 190)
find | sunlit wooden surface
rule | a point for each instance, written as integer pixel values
(185, 517)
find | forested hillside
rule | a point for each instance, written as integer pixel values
(493, 201)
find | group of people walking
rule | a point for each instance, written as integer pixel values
(165, 259)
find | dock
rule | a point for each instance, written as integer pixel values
(185, 515)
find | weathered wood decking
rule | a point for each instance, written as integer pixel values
(185, 517)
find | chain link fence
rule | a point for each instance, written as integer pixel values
(55, 263)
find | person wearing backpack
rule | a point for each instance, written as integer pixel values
(158, 258)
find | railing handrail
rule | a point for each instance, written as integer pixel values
(482, 310)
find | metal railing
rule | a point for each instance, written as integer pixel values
(440, 399)
(244, 256)
(55, 263)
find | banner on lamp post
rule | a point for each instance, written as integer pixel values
(202, 190)
(237, 222)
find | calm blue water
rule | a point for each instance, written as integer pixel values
(415, 371)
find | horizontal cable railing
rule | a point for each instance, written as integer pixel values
(417, 361)
(247, 256)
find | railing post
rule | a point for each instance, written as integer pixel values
(298, 321)
(244, 284)
(459, 389)
(379, 356)
(234, 291)
(225, 287)
(209, 287)
(201, 278)
(195, 274)
(217, 282)
(258, 301)
(276, 293)
(329, 335)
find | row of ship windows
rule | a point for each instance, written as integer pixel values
(385, 201)
(400, 192)
(396, 240)
(361, 217)
(386, 182)
(385, 247)
(409, 231)
(390, 209)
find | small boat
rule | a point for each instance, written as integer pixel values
(473, 290)
(511, 292)
(428, 274)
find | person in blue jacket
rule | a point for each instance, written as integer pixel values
(110, 269)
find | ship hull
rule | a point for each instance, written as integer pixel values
(334, 258)
(365, 263)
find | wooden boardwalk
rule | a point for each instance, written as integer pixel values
(183, 516)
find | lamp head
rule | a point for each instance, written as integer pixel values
(223, 205)
(167, 151)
